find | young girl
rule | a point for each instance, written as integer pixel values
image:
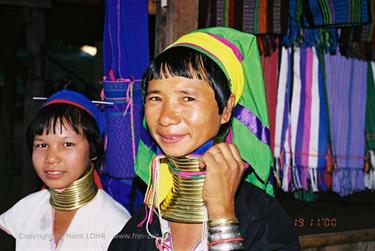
(66, 142)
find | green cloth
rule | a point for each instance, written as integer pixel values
(370, 112)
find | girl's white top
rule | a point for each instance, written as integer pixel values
(30, 221)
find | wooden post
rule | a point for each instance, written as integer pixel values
(176, 18)
(35, 86)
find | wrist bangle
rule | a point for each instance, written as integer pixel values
(222, 221)
(223, 236)
(227, 246)
(223, 229)
(235, 239)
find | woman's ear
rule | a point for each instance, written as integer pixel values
(228, 109)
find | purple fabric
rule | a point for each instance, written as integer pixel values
(126, 55)
(301, 115)
(346, 94)
(125, 39)
(323, 131)
(119, 161)
(248, 119)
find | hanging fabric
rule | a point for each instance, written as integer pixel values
(308, 120)
(335, 13)
(359, 41)
(370, 129)
(270, 73)
(282, 150)
(265, 16)
(364, 33)
(346, 83)
(301, 139)
(293, 35)
(126, 55)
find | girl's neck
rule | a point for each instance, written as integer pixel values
(76, 195)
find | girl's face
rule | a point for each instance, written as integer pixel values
(182, 114)
(60, 159)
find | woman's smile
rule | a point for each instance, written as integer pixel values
(171, 138)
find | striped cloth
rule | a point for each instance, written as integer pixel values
(282, 151)
(265, 16)
(346, 83)
(302, 129)
(364, 33)
(293, 35)
(370, 128)
(336, 13)
(350, 48)
(252, 16)
(308, 120)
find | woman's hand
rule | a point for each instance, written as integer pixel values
(224, 172)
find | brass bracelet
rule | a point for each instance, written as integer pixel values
(222, 221)
(221, 229)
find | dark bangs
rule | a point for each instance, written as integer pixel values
(70, 116)
(189, 63)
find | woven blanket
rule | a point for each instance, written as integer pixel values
(346, 83)
(265, 16)
(293, 35)
(364, 33)
(335, 13)
(253, 16)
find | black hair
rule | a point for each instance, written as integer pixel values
(71, 116)
(186, 62)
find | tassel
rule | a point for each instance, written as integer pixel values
(140, 224)
(277, 178)
(367, 166)
(329, 160)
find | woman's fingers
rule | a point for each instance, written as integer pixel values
(224, 170)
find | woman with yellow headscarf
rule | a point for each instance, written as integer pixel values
(205, 151)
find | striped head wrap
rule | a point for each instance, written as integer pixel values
(237, 55)
(78, 100)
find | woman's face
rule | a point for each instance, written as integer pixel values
(182, 114)
(60, 158)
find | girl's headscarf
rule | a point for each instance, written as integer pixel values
(80, 101)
